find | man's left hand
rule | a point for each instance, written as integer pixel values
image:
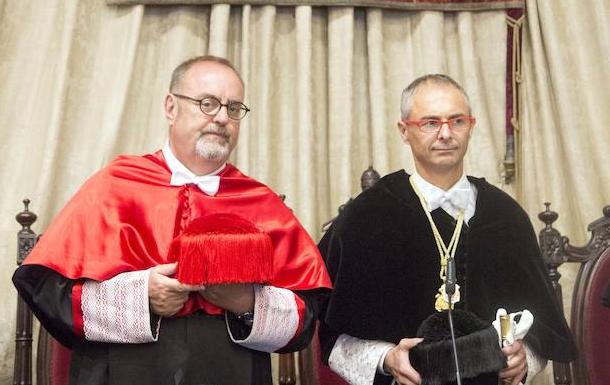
(517, 363)
(237, 298)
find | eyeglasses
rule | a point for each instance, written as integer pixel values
(211, 106)
(459, 123)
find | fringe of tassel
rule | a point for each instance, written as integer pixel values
(221, 249)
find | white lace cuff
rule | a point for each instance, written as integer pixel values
(380, 369)
(117, 310)
(356, 360)
(535, 364)
(276, 319)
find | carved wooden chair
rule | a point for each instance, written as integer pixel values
(53, 359)
(589, 318)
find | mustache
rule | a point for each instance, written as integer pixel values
(216, 130)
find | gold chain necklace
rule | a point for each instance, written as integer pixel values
(444, 251)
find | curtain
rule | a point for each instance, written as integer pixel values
(565, 136)
(84, 82)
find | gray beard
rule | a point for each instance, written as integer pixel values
(212, 150)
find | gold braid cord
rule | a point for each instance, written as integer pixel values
(445, 252)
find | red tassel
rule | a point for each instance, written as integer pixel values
(223, 248)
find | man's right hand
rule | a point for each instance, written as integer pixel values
(398, 365)
(167, 295)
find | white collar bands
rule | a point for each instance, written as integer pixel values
(461, 196)
(181, 175)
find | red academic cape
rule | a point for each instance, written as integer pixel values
(126, 215)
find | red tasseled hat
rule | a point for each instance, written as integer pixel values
(223, 248)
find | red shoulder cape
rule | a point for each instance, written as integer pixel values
(126, 215)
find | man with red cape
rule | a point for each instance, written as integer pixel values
(102, 279)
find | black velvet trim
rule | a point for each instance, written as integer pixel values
(478, 353)
(49, 296)
(311, 300)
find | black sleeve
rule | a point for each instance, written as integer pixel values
(330, 249)
(49, 296)
(311, 298)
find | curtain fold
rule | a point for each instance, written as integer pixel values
(378, 121)
(340, 109)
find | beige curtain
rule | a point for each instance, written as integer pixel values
(565, 137)
(83, 82)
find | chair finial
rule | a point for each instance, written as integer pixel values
(26, 217)
(547, 216)
(369, 177)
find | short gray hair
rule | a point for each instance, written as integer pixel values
(406, 101)
(183, 67)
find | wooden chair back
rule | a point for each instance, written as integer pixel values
(52, 358)
(589, 318)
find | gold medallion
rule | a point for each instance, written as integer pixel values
(442, 300)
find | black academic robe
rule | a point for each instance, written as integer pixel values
(383, 260)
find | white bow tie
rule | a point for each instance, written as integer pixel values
(451, 201)
(207, 183)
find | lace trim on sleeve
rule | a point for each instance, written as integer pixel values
(535, 363)
(117, 310)
(356, 360)
(276, 319)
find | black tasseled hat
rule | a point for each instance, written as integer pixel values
(478, 350)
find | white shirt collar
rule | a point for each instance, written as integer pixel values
(181, 175)
(175, 165)
(461, 196)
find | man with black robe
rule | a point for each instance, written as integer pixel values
(101, 281)
(385, 249)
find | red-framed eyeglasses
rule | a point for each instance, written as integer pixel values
(430, 125)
